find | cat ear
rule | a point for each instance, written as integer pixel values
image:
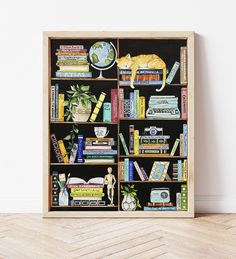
(128, 56)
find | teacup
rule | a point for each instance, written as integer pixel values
(101, 132)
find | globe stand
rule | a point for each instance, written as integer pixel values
(106, 68)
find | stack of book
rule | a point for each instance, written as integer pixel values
(180, 171)
(86, 193)
(143, 77)
(160, 206)
(163, 106)
(99, 150)
(72, 61)
(56, 104)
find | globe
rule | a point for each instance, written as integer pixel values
(102, 54)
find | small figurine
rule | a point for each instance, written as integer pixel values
(110, 180)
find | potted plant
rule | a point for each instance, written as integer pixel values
(130, 201)
(79, 103)
(72, 139)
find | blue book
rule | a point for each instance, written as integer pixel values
(131, 99)
(126, 169)
(107, 112)
(185, 140)
(56, 101)
(80, 148)
(136, 103)
(100, 152)
(131, 171)
(160, 208)
(179, 170)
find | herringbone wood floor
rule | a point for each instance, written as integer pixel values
(30, 236)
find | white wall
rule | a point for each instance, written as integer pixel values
(22, 23)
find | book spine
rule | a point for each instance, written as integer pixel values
(61, 107)
(184, 103)
(184, 198)
(126, 174)
(142, 71)
(172, 72)
(97, 107)
(55, 188)
(121, 103)
(143, 82)
(100, 143)
(178, 201)
(53, 103)
(144, 174)
(56, 149)
(184, 176)
(131, 139)
(80, 148)
(63, 151)
(100, 152)
(56, 101)
(131, 99)
(136, 142)
(131, 171)
(124, 144)
(183, 65)
(159, 208)
(174, 147)
(185, 140)
(74, 74)
(181, 144)
(139, 171)
(136, 103)
(142, 107)
(179, 170)
(126, 108)
(121, 170)
(114, 104)
(107, 112)
(73, 154)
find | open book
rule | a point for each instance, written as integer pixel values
(76, 182)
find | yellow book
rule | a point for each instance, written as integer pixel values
(141, 107)
(63, 151)
(136, 142)
(97, 107)
(184, 170)
(61, 107)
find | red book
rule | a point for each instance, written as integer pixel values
(184, 103)
(114, 104)
(121, 103)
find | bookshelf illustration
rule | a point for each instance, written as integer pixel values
(118, 124)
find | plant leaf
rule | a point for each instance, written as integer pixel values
(93, 99)
(84, 87)
(68, 137)
(66, 103)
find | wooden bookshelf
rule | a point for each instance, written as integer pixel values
(165, 45)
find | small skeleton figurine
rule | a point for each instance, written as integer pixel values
(110, 180)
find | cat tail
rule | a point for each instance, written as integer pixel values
(163, 80)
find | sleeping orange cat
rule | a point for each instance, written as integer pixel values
(151, 61)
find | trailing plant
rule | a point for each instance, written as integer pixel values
(71, 138)
(130, 190)
(75, 96)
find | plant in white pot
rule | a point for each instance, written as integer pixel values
(79, 103)
(130, 201)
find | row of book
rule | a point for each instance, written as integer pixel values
(57, 104)
(72, 61)
(126, 170)
(180, 171)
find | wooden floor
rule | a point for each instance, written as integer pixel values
(30, 236)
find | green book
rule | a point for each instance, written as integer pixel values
(174, 147)
(124, 144)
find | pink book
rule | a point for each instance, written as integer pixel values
(114, 104)
(121, 103)
(184, 103)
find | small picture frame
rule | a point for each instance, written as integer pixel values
(159, 171)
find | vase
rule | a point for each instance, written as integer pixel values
(129, 203)
(63, 197)
(82, 114)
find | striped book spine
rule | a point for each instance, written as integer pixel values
(114, 104)
(136, 103)
(136, 142)
(53, 103)
(80, 148)
(56, 101)
(172, 73)
(61, 107)
(121, 103)
(142, 107)
(124, 144)
(97, 107)
(63, 151)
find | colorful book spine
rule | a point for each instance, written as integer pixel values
(183, 65)
(73, 153)
(184, 103)
(179, 170)
(131, 99)
(56, 101)
(63, 151)
(61, 107)
(142, 110)
(53, 103)
(124, 144)
(126, 172)
(114, 105)
(100, 152)
(143, 82)
(185, 140)
(131, 139)
(178, 201)
(56, 148)
(184, 198)
(131, 171)
(184, 171)
(174, 147)
(142, 71)
(121, 170)
(136, 142)
(126, 108)
(74, 74)
(136, 103)
(80, 148)
(139, 171)
(107, 112)
(121, 103)
(97, 107)
(172, 72)
(181, 144)
(160, 208)
(55, 188)
(144, 174)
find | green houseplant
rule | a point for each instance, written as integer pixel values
(79, 103)
(130, 201)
